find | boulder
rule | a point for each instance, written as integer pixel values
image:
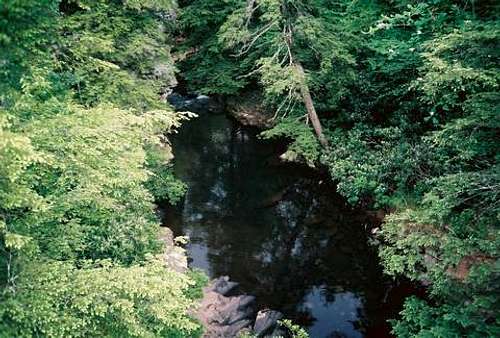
(278, 332)
(222, 285)
(236, 308)
(224, 316)
(266, 322)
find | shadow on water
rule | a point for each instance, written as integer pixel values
(288, 239)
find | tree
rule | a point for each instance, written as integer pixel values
(274, 22)
(272, 42)
(81, 132)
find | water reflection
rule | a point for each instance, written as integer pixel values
(335, 317)
(287, 240)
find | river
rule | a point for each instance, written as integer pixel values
(279, 230)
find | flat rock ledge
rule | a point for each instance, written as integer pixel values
(225, 315)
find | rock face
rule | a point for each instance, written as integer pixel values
(226, 316)
(248, 110)
(174, 256)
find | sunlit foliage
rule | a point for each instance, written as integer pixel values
(81, 140)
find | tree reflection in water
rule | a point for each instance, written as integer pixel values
(288, 240)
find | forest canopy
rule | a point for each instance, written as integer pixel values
(398, 100)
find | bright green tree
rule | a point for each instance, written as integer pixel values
(82, 129)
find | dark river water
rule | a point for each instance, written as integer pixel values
(281, 233)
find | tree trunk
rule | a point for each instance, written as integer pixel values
(249, 9)
(308, 102)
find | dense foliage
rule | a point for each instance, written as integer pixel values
(408, 92)
(81, 141)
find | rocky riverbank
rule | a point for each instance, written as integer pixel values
(223, 312)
